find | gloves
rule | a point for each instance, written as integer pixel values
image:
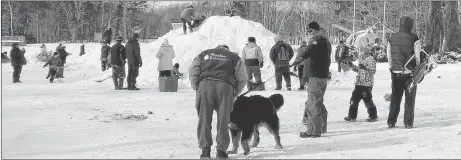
(361, 66)
(261, 65)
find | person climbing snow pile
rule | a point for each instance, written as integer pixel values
(55, 63)
(363, 86)
(187, 16)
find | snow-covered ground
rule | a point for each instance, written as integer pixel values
(80, 118)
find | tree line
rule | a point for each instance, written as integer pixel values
(437, 23)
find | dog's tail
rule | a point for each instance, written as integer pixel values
(277, 100)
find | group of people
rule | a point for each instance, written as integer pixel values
(219, 75)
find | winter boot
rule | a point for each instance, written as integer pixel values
(205, 154)
(48, 76)
(133, 87)
(52, 79)
(408, 126)
(289, 88)
(306, 135)
(221, 154)
(278, 88)
(390, 125)
(349, 119)
(372, 119)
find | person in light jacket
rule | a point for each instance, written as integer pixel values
(254, 60)
(165, 56)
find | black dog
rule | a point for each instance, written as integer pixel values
(249, 114)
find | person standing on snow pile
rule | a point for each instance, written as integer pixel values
(175, 72)
(254, 61)
(133, 55)
(17, 61)
(63, 55)
(118, 60)
(341, 54)
(281, 54)
(105, 49)
(55, 63)
(165, 57)
(363, 86)
(219, 76)
(319, 52)
(400, 47)
(187, 16)
(107, 37)
(302, 67)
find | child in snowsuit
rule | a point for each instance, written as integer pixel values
(363, 86)
(175, 72)
(55, 63)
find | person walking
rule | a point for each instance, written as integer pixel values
(401, 46)
(105, 49)
(165, 57)
(281, 54)
(133, 54)
(118, 60)
(54, 63)
(254, 61)
(319, 52)
(17, 61)
(218, 76)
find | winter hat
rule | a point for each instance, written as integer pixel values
(165, 42)
(314, 25)
(303, 42)
(14, 44)
(278, 38)
(135, 35)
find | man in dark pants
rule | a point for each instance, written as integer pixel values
(281, 54)
(300, 68)
(108, 36)
(187, 16)
(118, 60)
(218, 76)
(319, 52)
(401, 46)
(17, 61)
(63, 55)
(133, 54)
(341, 54)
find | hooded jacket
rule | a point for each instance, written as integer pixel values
(133, 52)
(281, 54)
(319, 52)
(17, 56)
(252, 55)
(117, 54)
(401, 46)
(165, 56)
(188, 14)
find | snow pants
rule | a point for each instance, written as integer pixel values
(133, 72)
(256, 70)
(399, 86)
(315, 112)
(52, 74)
(118, 75)
(362, 93)
(104, 65)
(17, 69)
(214, 95)
(285, 72)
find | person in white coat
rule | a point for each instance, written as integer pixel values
(165, 56)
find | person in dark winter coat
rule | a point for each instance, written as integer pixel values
(363, 86)
(319, 52)
(105, 49)
(108, 36)
(219, 76)
(187, 16)
(175, 72)
(55, 63)
(17, 61)
(63, 55)
(133, 54)
(118, 60)
(302, 67)
(341, 54)
(254, 61)
(401, 46)
(280, 55)
(82, 50)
